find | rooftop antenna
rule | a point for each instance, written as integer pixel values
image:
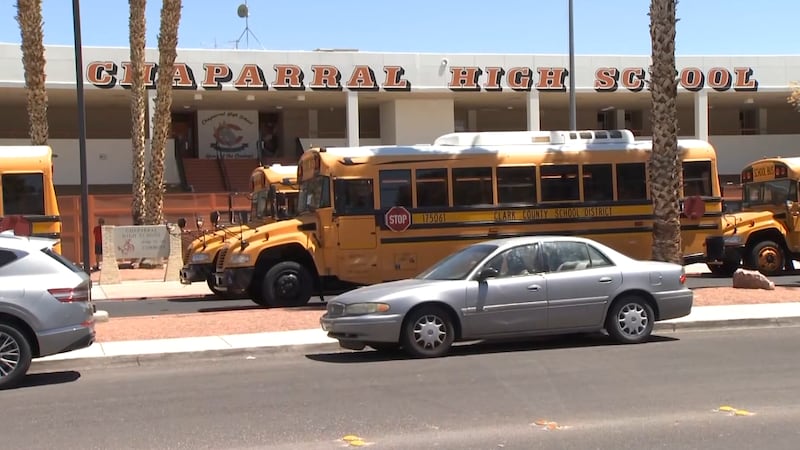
(244, 12)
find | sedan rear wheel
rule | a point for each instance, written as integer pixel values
(428, 332)
(15, 356)
(630, 320)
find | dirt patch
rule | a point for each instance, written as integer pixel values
(284, 319)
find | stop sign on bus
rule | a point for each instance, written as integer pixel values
(397, 218)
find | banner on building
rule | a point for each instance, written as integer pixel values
(227, 134)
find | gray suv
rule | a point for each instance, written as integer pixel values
(45, 305)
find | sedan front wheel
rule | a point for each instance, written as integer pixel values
(428, 332)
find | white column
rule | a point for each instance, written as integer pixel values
(762, 120)
(352, 119)
(619, 122)
(534, 115)
(313, 123)
(701, 115)
(472, 120)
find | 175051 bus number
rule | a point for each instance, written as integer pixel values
(436, 217)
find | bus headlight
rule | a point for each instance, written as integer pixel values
(200, 258)
(240, 258)
(733, 240)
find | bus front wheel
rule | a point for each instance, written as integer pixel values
(287, 283)
(767, 257)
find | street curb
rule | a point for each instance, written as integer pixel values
(147, 359)
(333, 347)
(732, 323)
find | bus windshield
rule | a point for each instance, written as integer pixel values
(314, 193)
(774, 192)
(262, 205)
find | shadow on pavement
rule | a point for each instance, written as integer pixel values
(486, 347)
(311, 307)
(48, 378)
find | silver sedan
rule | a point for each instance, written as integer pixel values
(513, 287)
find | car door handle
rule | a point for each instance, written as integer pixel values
(605, 280)
(534, 287)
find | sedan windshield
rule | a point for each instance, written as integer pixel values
(459, 264)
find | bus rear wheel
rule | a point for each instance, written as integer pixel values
(287, 283)
(767, 257)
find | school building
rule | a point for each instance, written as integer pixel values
(246, 106)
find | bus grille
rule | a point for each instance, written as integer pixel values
(221, 258)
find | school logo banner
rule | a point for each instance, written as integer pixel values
(227, 134)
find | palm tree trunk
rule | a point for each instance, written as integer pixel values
(665, 162)
(162, 120)
(29, 16)
(137, 26)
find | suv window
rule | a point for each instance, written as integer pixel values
(66, 262)
(6, 257)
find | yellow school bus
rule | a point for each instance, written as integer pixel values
(765, 233)
(273, 195)
(27, 190)
(371, 214)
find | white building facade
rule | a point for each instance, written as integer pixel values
(270, 105)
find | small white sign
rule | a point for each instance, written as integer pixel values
(227, 134)
(143, 241)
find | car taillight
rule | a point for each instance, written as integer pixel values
(683, 278)
(68, 295)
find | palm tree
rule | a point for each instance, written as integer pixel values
(29, 17)
(665, 163)
(162, 120)
(794, 98)
(137, 27)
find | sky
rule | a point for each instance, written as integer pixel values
(601, 27)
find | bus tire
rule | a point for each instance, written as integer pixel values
(767, 257)
(287, 283)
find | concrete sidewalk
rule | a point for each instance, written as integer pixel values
(702, 317)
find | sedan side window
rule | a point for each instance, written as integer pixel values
(564, 256)
(598, 259)
(515, 262)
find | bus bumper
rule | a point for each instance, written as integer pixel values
(720, 250)
(236, 281)
(192, 273)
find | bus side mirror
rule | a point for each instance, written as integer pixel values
(214, 216)
(181, 223)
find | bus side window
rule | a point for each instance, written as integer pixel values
(23, 193)
(432, 188)
(560, 183)
(697, 178)
(631, 181)
(395, 188)
(516, 185)
(473, 186)
(354, 196)
(597, 182)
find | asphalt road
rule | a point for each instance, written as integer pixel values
(663, 394)
(156, 306)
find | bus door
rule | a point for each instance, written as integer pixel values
(354, 219)
(793, 217)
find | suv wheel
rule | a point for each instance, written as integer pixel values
(15, 356)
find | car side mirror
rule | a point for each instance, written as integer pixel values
(488, 272)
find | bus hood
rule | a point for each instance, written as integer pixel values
(732, 223)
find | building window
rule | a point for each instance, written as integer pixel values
(748, 121)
